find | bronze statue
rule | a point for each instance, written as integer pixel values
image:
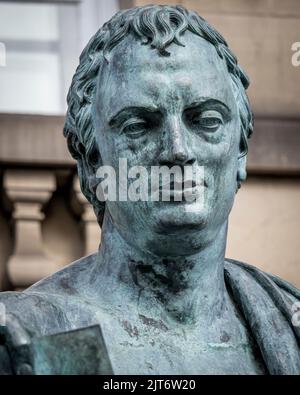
(159, 86)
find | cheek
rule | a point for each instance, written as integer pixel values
(227, 147)
(217, 149)
(221, 169)
(224, 171)
(142, 151)
(225, 186)
(112, 149)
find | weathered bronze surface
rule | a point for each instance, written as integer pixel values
(167, 300)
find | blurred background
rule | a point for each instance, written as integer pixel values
(45, 222)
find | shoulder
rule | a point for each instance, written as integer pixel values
(52, 304)
(236, 271)
(67, 281)
(270, 306)
(40, 314)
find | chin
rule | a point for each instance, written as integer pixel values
(178, 219)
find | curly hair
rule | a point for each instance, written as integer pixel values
(157, 26)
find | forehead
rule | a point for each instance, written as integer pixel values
(137, 75)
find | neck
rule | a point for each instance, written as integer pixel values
(185, 289)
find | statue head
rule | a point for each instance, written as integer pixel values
(158, 85)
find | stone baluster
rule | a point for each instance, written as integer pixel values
(28, 191)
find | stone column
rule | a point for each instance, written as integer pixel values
(91, 229)
(28, 191)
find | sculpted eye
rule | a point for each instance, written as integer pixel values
(209, 120)
(134, 127)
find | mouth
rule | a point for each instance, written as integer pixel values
(179, 186)
(187, 191)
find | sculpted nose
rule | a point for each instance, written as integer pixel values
(175, 149)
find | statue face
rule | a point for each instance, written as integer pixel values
(159, 110)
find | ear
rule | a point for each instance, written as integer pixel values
(88, 164)
(92, 162)
(241, 170)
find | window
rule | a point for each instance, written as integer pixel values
(43, 41)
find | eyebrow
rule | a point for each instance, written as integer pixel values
(203, 103)
(131, 110)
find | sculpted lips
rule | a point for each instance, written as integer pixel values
(186, 191)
